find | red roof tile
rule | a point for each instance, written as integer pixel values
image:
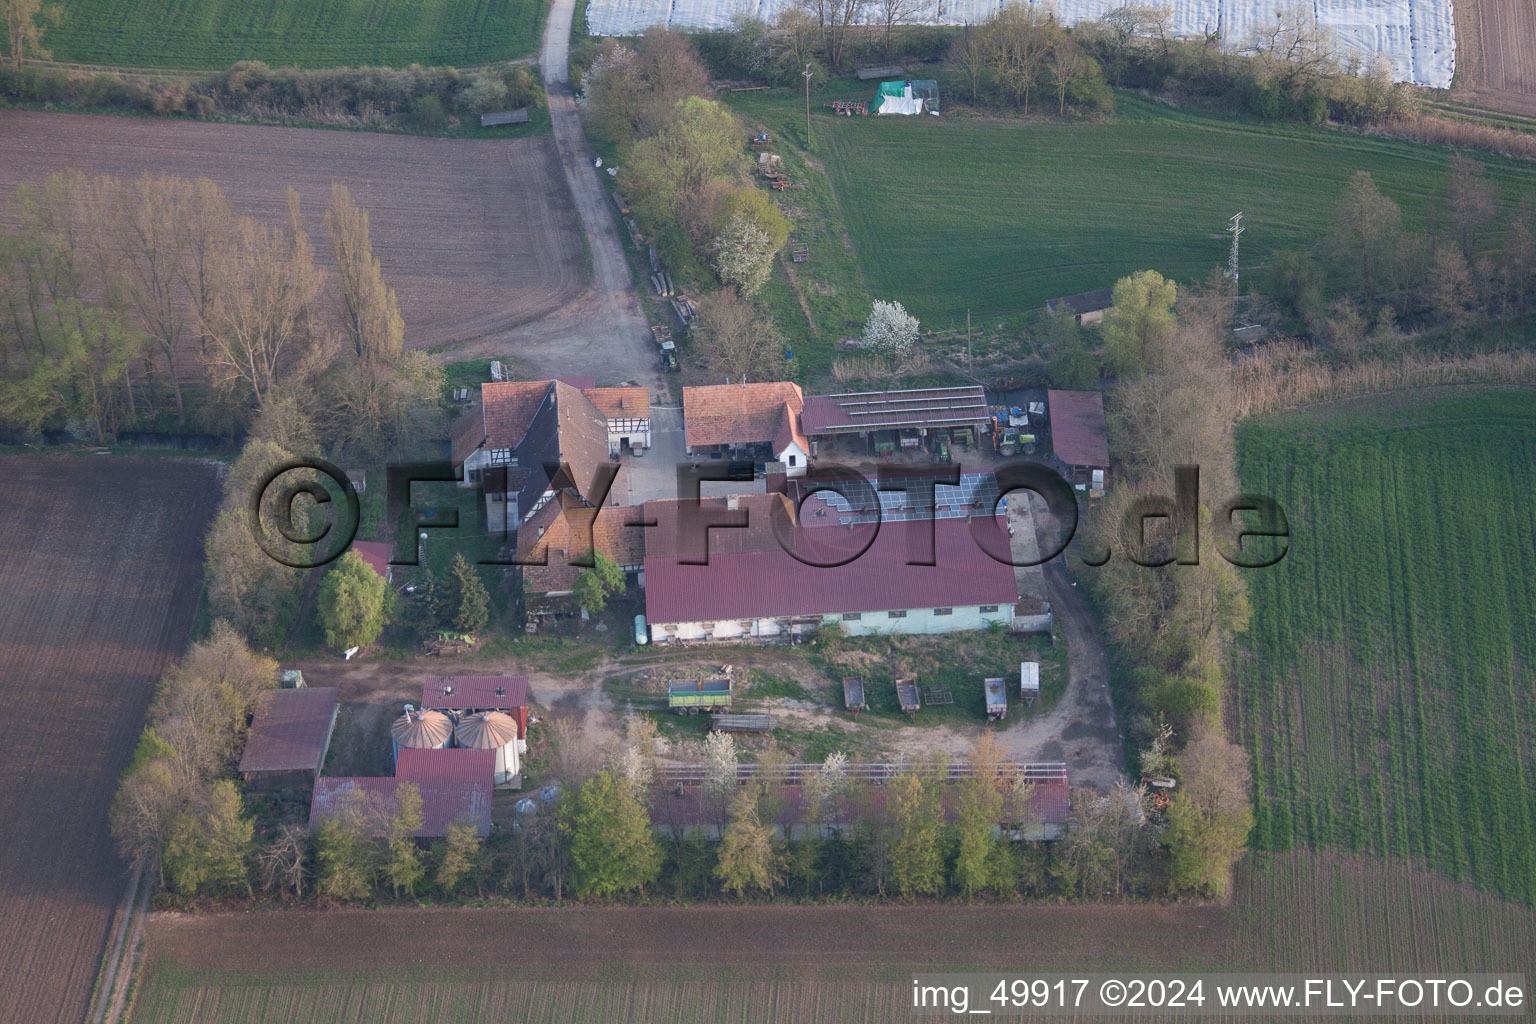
(1077, 427)
(740, 413)
(620, 403)
(290, 730)
(559, 534)
(375, 553)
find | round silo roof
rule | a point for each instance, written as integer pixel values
(422, 729)
(487, 730)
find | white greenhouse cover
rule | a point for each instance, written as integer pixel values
(903, 104)
(1417, 36)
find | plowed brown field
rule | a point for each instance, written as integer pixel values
(100, 560)
(476, 237)
(778, 964)
(1496, 53)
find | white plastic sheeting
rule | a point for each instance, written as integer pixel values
(1417, 36)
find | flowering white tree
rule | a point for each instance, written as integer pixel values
(743, 254)
(890, 328)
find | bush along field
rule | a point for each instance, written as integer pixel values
(1387, 686)
(328, 33)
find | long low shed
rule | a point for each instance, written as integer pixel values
(856, 411)
(288, 740)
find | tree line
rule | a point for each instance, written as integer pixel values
(1170, 603)
(152, 305)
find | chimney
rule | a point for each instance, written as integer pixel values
(733, 502)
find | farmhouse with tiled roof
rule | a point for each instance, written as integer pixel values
(519, 428)
(748, 420)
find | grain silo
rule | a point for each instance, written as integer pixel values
(421, 730)
(492, 730)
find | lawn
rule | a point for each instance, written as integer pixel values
(1387, 686)
(313, 33)
(997, 216)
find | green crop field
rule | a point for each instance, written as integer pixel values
(311, 33)
(999, 215)
(759, 965)
(1387, 686)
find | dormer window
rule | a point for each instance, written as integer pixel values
(501, 456)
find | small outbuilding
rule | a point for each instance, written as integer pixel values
(288, 740)
(1079, 435)
(1088, 307)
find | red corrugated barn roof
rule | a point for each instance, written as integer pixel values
(770, 582)
(291, 730)
(448, 763)
(1077, 428)
(443, 801)
(500, 692)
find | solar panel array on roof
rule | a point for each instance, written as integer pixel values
(976, 495)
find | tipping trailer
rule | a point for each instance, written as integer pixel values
(997, 698)
(690, 696)
(853, 694)
(907, 696)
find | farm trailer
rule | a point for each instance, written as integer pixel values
(907, 696)
(997, 698)
(853, 694)
(690, 696)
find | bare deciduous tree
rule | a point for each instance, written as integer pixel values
(262, 325)
(369, 313)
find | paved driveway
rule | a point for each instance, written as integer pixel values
(655, 474)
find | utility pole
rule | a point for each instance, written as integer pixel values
(807, 75)
(967, 337)
(1235, 227)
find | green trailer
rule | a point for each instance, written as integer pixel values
(690, 696)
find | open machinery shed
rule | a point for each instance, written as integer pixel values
(866, 412)
(288, 739)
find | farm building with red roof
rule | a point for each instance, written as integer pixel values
(748, 420)
(465, 695)
(465, 764)
(518, 428)
(763, 580)
(443, 802)
(288, 739)
(1078, 433)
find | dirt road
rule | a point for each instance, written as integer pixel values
(603, 331)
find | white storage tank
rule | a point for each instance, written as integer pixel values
(421, 730)
(493, 730)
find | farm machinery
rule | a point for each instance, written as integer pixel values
(666, 346)
(690, 696)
